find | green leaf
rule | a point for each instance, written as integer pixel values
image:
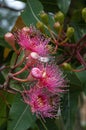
(31, 14)
(20, 117)
(63, 5)
(74, 82)
(82, 77)
(70, 100)
(5, 101)
(5, 73)
(12, 62)
(69, 109)
(80, 31)
(32, 11)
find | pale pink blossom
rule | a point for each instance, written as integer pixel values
(50, 77)
(34, 42)
(42, 103)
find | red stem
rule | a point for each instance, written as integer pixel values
(78, 70)
(19, 72)
(20, 80)
(79, 57)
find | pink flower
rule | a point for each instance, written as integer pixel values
(33, 41)
(41, 102)
(50, 77)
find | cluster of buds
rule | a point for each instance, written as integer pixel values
(62, 37)
(46, 79)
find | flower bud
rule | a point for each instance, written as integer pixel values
(44, 18)
(40, 26)
(32, 58)
(66, 66)
(59, 17)
(36, 73)
(34, 55)
(9, 37)
(57, 26)
(26, 30)
(70, 31)
(84, 14)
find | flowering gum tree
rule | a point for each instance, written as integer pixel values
(44, 69)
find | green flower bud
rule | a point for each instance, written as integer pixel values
(66, 66)
(57, 26)
(40, 26)
(44, 18)
(59, 17)
(84, 14)
(70, 31)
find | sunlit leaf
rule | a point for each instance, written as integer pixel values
(6, 52)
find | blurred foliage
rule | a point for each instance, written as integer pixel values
(14, 114)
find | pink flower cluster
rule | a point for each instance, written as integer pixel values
(44, 96)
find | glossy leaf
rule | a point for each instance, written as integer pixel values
(20, 117)
(69, 109)
(63, 5)
(32, 11)
(70, 100)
